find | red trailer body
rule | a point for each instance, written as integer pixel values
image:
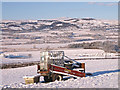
(65, 71)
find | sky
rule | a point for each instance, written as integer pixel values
(51, 10)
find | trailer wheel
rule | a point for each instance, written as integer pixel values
(59, 77)
(46, 79)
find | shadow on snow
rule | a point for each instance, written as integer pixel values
(102, 72)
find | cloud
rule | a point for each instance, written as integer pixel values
(104, 3)
(111, 4)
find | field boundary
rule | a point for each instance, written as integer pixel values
(16, 65)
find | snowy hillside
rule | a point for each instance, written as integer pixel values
(104, 75)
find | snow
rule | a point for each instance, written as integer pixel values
(71, 53)
(28, 46)
(17, 74)
(33, 76)
(59, 25)
(35, 57)
(15, 28)
(87, 53)
(105, 75)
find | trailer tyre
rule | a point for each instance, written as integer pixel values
(59, 77)
(46, 79)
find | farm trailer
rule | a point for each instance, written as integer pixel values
(53, 66)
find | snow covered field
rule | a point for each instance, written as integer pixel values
(105, 75)
(72, 53)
